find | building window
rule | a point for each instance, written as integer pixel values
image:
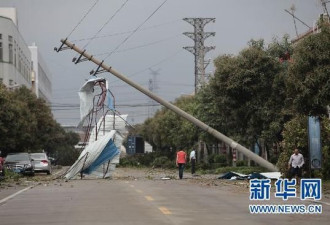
(15, 53)
(1, 52)
(11, 54)
(0, 36)
(15, 56)
(10, 38)
(19, 63)
(11, 82)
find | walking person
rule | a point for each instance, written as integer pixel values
(296, 163)
(181, 158)
(192, 158)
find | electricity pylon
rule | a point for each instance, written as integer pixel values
(199, 50)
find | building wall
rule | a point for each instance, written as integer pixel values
(15, 56)
(9, 13)
(43, 84)
(19, 64)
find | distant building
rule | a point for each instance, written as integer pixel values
(21, 65)
(41, 77)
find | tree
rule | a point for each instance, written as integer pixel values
(167, 130)
(308, 79)
(245, 97)
(27, 125)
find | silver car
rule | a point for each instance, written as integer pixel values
(41, 163)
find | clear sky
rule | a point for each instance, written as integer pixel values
(159, 42)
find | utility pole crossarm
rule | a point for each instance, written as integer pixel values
(262, 162)
(190, 49)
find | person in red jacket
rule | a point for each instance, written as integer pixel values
(181, 158)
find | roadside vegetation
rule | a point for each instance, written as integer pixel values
(217, 164)
(27, 125)
(262, 96)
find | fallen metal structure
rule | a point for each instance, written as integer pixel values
(84, 56)
(102, 140)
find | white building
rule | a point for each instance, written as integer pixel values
(20, 64)
(15, 56)
(41, 77)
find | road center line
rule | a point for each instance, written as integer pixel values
(15, 194)
(132, 185)
(139, 191)
(165, 211)
(149, 198)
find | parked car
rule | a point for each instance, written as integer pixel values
(41, 163)
(20, 163)
(2, 168)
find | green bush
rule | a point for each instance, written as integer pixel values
(155, 159)
(10, 175)
(129, 161)
(160, 161)
(216, 158)
(240, 163)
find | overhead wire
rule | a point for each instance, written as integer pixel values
(135, 30)
(141, 46)
(85, 15)
(126, 32)
(106, 23)
(153, 65)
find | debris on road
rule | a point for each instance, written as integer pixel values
(239, 176)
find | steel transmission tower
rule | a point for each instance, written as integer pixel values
(199, 49)
(153, 87)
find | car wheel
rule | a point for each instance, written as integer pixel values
(48, 172)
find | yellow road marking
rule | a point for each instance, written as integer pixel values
(165, 211)
(149, 198)
(138, 191)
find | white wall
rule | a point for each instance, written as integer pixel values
(9, 13)
(17, 72)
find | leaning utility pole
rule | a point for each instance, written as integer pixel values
(199, 50)
(84, 56)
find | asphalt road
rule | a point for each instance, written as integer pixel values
(95, 202)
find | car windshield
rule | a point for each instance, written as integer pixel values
(37, 156)
(17, 157)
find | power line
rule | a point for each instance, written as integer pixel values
(89, 10)
(126, 32)
(140, 46)
(134, 31)
(106, 23)
(155, 64)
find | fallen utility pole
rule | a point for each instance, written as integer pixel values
(262, 162)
